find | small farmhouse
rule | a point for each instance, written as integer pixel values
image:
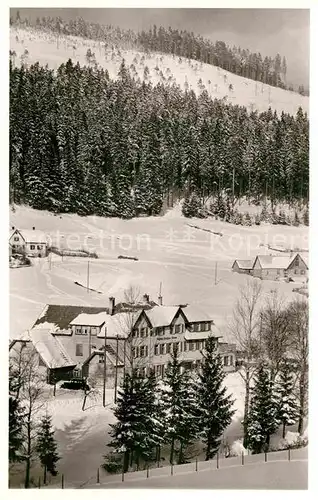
(71, 340)
(273, 267)
(242, 266)
(30, 242)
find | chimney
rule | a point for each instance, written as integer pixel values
(33, 228)
(111, 305)
(160, 300)
(146, 298)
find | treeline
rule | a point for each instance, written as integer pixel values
(181, 43)
(80, 142)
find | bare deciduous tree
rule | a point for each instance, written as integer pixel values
(275, 335)
(245, 328)
(298, 318)
(31, 384)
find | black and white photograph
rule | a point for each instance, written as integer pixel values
(158, 211)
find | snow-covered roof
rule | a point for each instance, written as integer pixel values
(110, 357)
(274, 261)
(244, 264)
(119, 324)
(86, 319)
(162, 315)
(303, 256)
(196, 335)
(195, 314)
(50, 349)
(31, 235)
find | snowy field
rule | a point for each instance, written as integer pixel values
(193, 266)
(46, 48)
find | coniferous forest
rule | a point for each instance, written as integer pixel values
(80, 142)
(181, 43)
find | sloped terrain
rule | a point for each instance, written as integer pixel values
(32, 46)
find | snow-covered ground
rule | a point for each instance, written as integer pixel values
(45, 48)
(193, 266)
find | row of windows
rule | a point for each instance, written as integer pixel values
(85, 330)
(160, 330)
(192, 345)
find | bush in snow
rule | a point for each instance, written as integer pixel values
(292, 440)
(192, 206)
(237, 449)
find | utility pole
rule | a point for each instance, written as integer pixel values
(216, 274)
(233, 183)
(104, 371)
(88, 276)
(116, 371)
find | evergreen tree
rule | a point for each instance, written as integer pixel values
(15, 430)
(215, 407)
(181, 424)
(288, 409)
(263, 414)
(47, 447)
(138, 431)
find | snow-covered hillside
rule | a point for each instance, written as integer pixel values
(31, 46)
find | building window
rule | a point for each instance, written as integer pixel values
(159, 330)
(162, 369)
(191, 345)
(16, 238)
(142, 332)
(135, 332)
(185, 346)
(203, 344)
(169, 348)
(85, 330)
(142, 351)
(177, 328)
(198, 346)
(93, 330)
(134, 352)
(101, 358)
(78, 330)
(231, 360)
(226, 361)
(178, 345)
(79, 350)
(39, 247)
(196, 327)
(32, 247)
(156, 349)
(162, 349)
(296, 271)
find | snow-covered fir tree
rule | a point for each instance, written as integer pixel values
(15, 430)
(288, 408)
(180, 406)
(263, 418)
(214, 405)
(46, 447)
(138, 431)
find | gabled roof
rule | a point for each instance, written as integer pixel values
(273, 261)
(162, 315)
(195, 314)
(31, 235)
(244, 264)
(302, 256)
(62, 315)
(110, 357)
(50, 349)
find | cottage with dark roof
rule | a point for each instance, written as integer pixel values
(29, 242)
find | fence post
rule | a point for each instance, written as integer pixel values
(147, 470)
(265, 456)
(172, 469)
(217, 459)
(123, 476)
(242, 457)
(39, 483)
(62, 481)
(97, 478)
(196, 464)
(289, 454)
(158, 458)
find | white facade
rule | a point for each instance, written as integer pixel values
(31, 242)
